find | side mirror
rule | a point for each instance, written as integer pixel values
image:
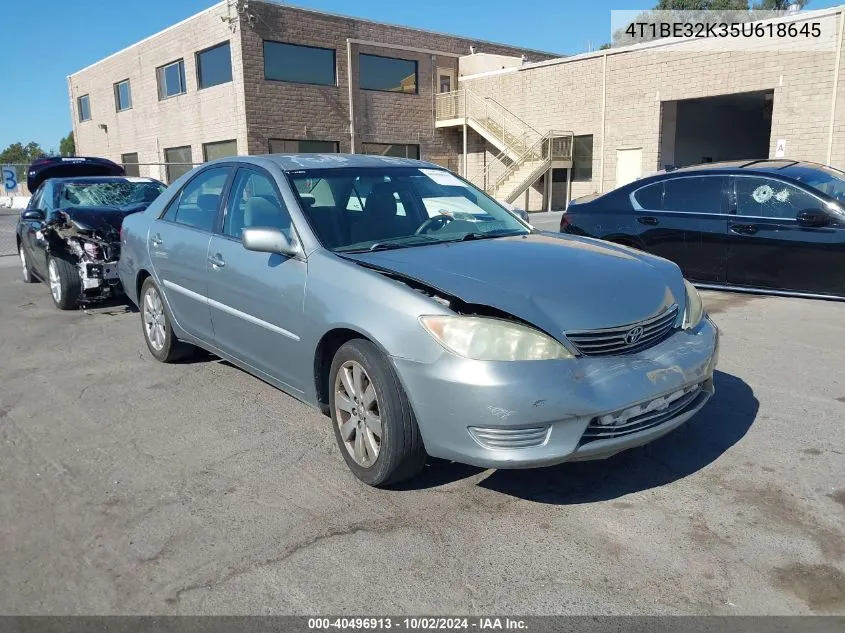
(812, 218)
(264, 239)
(522, 213)
(33, 215)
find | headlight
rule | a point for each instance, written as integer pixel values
(694, 311)
(482, 338)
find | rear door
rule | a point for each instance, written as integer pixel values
(684, 220)
(769, 249)
(178, 242)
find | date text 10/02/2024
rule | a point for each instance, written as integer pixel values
(418, 623)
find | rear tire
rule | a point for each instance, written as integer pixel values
(65, 285)
(28, 277)
(156, 326)
(372, 418)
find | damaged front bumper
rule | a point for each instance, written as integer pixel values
(539, 413)
(99, 279)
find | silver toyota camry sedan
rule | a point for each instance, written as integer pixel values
(418, 313)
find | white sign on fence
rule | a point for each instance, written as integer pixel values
(10, 178)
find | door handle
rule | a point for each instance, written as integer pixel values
(744, 229)
(216, 260)
(648, 219)
(155, 240)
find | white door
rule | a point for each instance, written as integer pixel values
(446, 80)
(629, 165)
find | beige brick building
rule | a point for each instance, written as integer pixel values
(267, 77)
(643, 107)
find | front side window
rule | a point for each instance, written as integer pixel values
(83, 105)
(388, 149)
(214, 66)
(122, 95)
(770, 198)
(220, 149)
(198, 203)
(130, 164)
(284, 146)
(387, 73)
(374, 208)
(582, 158)
(822, 178)
(118, 194)
(253, 202)
(694, 194)
(171, 79)
(299, 64)
(178, 161)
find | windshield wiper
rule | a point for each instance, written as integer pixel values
(405, 241)
(480, 235)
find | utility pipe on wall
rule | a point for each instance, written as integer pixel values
(835, 87)
(352, 147)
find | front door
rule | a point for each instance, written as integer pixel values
(178, 243)
(256, 299)
(768, 247)
(446, 80)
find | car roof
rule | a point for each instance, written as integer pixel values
(763, 165)
(299, 162)
(86, 180)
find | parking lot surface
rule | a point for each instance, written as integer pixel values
(128, 486)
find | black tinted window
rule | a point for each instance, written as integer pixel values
(770, 198)
(214, 66)
(300, 64)
(387, 73)
(650, 197)
(200, 199)
(694, 194)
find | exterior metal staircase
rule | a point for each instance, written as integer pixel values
(525, 154)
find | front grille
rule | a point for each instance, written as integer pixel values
(627, 421)
(619, 340)
(499, 438)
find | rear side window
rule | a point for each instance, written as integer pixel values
(694, 194)
(199, 201)
(650, 197)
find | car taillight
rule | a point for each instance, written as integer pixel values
(564, 222)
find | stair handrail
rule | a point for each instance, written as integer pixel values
(544, 150)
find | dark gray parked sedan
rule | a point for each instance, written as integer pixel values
(418, 313)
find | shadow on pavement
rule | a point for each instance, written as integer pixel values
(688, 449)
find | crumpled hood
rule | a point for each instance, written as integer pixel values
(553, 281)
(104, 220)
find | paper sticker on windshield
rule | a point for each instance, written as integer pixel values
(443, 177)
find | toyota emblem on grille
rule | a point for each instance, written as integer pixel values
(633, 335)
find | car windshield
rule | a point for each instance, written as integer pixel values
(824, 179)
(120, 194)
(363, 209)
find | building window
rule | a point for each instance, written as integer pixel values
(220, 149)
(171, 79)
(83, 105)
(214, 66)
(178, 161)
(387, 73)
(299, 64)
(283, 146)
(130, 164)
(122, 95)
(582, 158)
(384, 149)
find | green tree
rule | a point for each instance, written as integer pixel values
(778, 5)
(702, 5)
(21, 155)
(67, 146)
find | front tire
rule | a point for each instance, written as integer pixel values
(65, 285)
(26, 269)
(372, 418)
(155, 324)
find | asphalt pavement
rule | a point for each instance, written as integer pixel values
(133, 487)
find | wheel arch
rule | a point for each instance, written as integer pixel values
(324, 353)
(140, 278)
(625, 240)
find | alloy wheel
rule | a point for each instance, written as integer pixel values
(357, 413)
(154, 319)
(55, 281)
(23, 263)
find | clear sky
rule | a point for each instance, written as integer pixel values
(41, 43)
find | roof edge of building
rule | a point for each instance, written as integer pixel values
(279, 3)
(631, 48)
(214, 6)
